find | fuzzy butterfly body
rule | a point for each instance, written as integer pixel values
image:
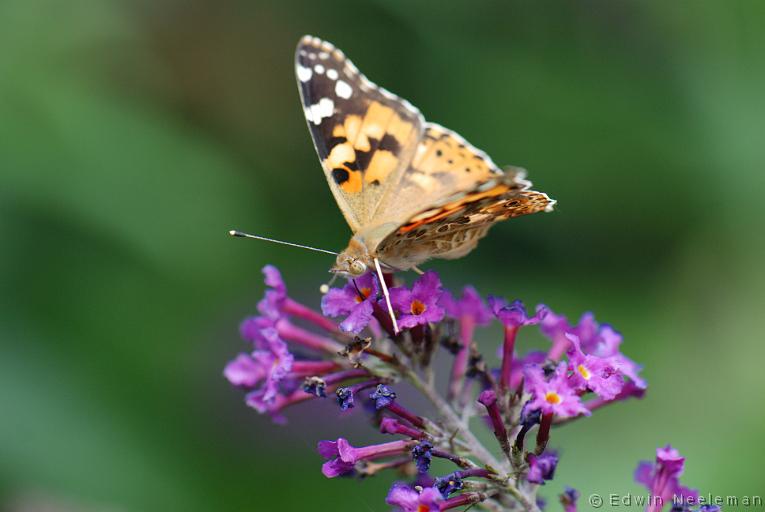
(410, 190)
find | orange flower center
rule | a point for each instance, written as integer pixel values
(365, 293)
(423, 508)
(584, 372)
(551, 397)
(417, 307)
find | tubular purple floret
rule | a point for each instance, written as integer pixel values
(406, 414)
(470, 311)
(508, 350)
(460, 364)
(488, 398)
(308, 339)
(543, 434)
(385, 398)
(353, 373)
(393, 426)
(296, 309)
(353, 454)
(308, 368)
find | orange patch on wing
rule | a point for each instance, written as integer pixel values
(353, 184)
(349, 129)
(373, 125)
(380, 166)
(400, 129)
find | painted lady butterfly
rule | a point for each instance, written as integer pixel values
(410, 190)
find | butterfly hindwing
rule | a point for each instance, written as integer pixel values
(453, 229)
(365, 136)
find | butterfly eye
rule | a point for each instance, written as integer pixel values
(357, 267)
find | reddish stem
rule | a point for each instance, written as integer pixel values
(393, 426)
(308, 368)
(404, 413)
(376, 451)
(299, 310)
(559, 346)
(291, 332)
(543, 434)
(467, 498)
(508, 350)
(467, 326)
(488, 398)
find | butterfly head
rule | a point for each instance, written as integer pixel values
(354, 261)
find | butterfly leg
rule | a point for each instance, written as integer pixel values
(418, 271)
(387, 296)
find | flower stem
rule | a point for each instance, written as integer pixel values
(451, 419)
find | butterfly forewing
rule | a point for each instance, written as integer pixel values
(365, 136)
(444, 167)
(410, 190)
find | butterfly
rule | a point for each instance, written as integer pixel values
(410, 190)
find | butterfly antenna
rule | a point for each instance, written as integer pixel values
(380, 275)
(242, 234)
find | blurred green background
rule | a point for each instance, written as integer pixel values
(134, 134)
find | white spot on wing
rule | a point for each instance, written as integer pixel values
(323, 55)
(319, 69)
(324, 108)
(304, 74)
(332, 74)
(343, 90)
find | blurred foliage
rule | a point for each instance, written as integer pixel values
(133, 134)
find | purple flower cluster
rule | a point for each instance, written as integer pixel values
(298, 354)
(662, 479)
